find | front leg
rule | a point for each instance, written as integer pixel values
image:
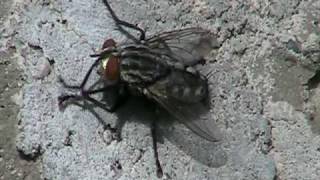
(86, 95)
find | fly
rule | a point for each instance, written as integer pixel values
(161, 68)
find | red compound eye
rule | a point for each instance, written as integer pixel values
(112, 69)
(108, 43)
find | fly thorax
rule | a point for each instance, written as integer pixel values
(141, 70)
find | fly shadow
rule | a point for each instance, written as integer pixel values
(207, 153)
(143, 111)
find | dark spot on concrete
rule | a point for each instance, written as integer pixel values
(51, 61)
(64, 21)
(314, 81)
(34, 46)
(32, 156)
(116, 135)
(116, 166)
(45, 3)
(294, 46)
(68, 139)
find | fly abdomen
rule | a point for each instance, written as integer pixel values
(187, 93)
(186, 87)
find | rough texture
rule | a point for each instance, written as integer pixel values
(264, 88)
(13, 165)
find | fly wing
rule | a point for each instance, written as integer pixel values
(188, 46)
(192, 113)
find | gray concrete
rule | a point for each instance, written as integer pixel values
(13, 165)
(264, 88)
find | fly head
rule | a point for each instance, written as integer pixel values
(110, 64)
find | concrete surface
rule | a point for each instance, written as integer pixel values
(264, 88)
(13, 165)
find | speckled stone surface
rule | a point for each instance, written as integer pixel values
(264, 88)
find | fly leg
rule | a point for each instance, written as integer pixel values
(85, 95)
(155, 149)
(120, 23)
(64, 98)
(84, 81)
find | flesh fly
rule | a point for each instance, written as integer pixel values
(161, 68)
